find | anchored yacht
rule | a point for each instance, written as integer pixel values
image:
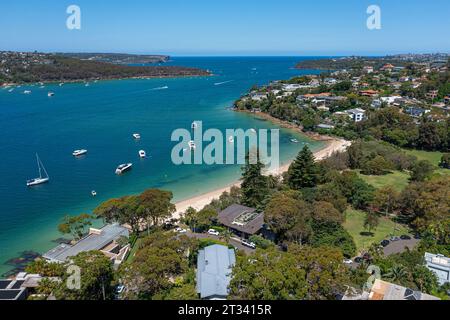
(78, 153)
(42, 178)
(123, 168)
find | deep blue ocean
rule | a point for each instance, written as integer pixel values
(102, 118)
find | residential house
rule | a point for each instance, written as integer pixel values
(293, 86)
(21, 287)
(432, 94)
(382, 290)
(214, 266)
(369, 93)
(390, 100)
(104, 240)
(357, 114)
(376, 103)
(258, 96)
(12, 290)
(387, 67)
(416, 112)
(440, 265)
(368, 69)
(243, 221)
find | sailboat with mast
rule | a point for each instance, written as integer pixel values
(41, 179)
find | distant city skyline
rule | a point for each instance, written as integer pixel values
(227, 28)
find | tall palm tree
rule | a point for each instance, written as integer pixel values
(397, 273)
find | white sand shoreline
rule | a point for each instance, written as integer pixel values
(200, 201)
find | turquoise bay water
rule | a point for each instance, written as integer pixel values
(102, 119)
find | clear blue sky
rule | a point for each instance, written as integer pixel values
(227, 27)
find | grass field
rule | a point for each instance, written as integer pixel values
(433, 157)
(398, 180)
(354, 224)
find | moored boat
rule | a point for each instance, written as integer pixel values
(137, 136)
(123, 168)
(142, 154)
(42, 179)
(78, 153)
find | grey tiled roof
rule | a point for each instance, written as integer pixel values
(91, 242)
(227, 216)
(214, 265)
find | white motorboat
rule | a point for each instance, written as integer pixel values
(94, 193)
(294, 140)
(50, 94)
(192, 145)
(142, 154)
(253, 130)
(78, 153)
(11, 90)
(123, 168)
(27, 92)
(42, 179)
(137, 136)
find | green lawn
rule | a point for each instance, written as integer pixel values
(354, 224)
(433, 157)
(398, 180)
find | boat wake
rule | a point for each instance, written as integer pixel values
(160, 88)
(221, 83)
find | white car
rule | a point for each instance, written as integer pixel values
(348, 261)
(248, 244)
(213, 232)
(180, 230)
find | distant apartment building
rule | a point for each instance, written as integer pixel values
(440, 265)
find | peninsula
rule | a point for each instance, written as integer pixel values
(27, 67)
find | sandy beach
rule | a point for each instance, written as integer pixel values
(198, 202)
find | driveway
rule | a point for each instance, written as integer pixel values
(400, 246)
(233, 241)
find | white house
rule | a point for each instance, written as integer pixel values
(357, 114)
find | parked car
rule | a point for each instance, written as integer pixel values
(358, 259)
(385, 243)
(119, 290)
(405, 237)
(417, 236)
(213, 232)
(348, 261)
(180, 230)
(249, 244)
(394, 238)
